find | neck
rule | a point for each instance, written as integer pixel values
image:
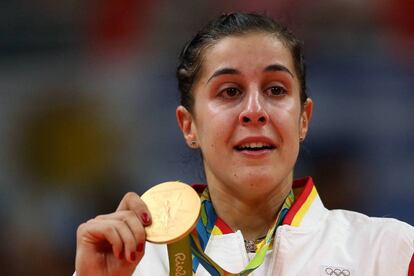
(255, 212)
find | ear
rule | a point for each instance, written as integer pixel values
(186, 123)
(306, 117)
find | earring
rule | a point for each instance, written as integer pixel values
(301, 139)
(193, 144)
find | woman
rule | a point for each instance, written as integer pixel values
(244, 105)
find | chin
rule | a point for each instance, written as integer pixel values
(259, 180)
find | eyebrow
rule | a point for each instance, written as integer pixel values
(224, 71)
(278, 67)
(232, 71)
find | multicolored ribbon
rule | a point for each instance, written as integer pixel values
(205, 226)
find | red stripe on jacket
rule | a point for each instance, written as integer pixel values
(307, 183)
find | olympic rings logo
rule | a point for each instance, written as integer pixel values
(337, 272)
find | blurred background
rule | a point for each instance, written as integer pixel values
(87, 110)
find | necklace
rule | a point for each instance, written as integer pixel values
(251, 245)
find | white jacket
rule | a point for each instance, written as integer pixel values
(312, 241)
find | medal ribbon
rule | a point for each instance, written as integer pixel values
(179, 256)
(201, 234)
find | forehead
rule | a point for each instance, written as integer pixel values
(248, 53)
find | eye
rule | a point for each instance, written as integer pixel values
(230, 92)
(275, 91)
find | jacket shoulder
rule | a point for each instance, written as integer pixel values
(353, 219)
(377, 234)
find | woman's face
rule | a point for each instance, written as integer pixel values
(247, 117)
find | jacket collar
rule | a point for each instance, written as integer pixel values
(305, 211)
(308, 207)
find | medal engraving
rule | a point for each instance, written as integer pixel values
(174, 208)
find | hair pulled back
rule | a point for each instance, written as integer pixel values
(234, 24)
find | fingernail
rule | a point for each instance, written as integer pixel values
(133, 256)
(145, 218)
(140, 247)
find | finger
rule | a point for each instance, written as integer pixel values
(138, 231)
(136, 228)
(133, 202)
(128, 239)
(120, 215)
(134, 224)
(95, 232)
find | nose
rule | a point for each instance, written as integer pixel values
(253, 113)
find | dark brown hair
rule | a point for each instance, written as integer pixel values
(232, 24)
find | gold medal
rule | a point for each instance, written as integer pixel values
(174, 208)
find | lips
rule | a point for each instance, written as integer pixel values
(255, 144)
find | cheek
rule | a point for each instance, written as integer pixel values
(216, 124)
(215, 133)
(286, 121)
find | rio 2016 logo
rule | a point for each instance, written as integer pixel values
(179, 262)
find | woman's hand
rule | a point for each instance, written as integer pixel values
(113, 244)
